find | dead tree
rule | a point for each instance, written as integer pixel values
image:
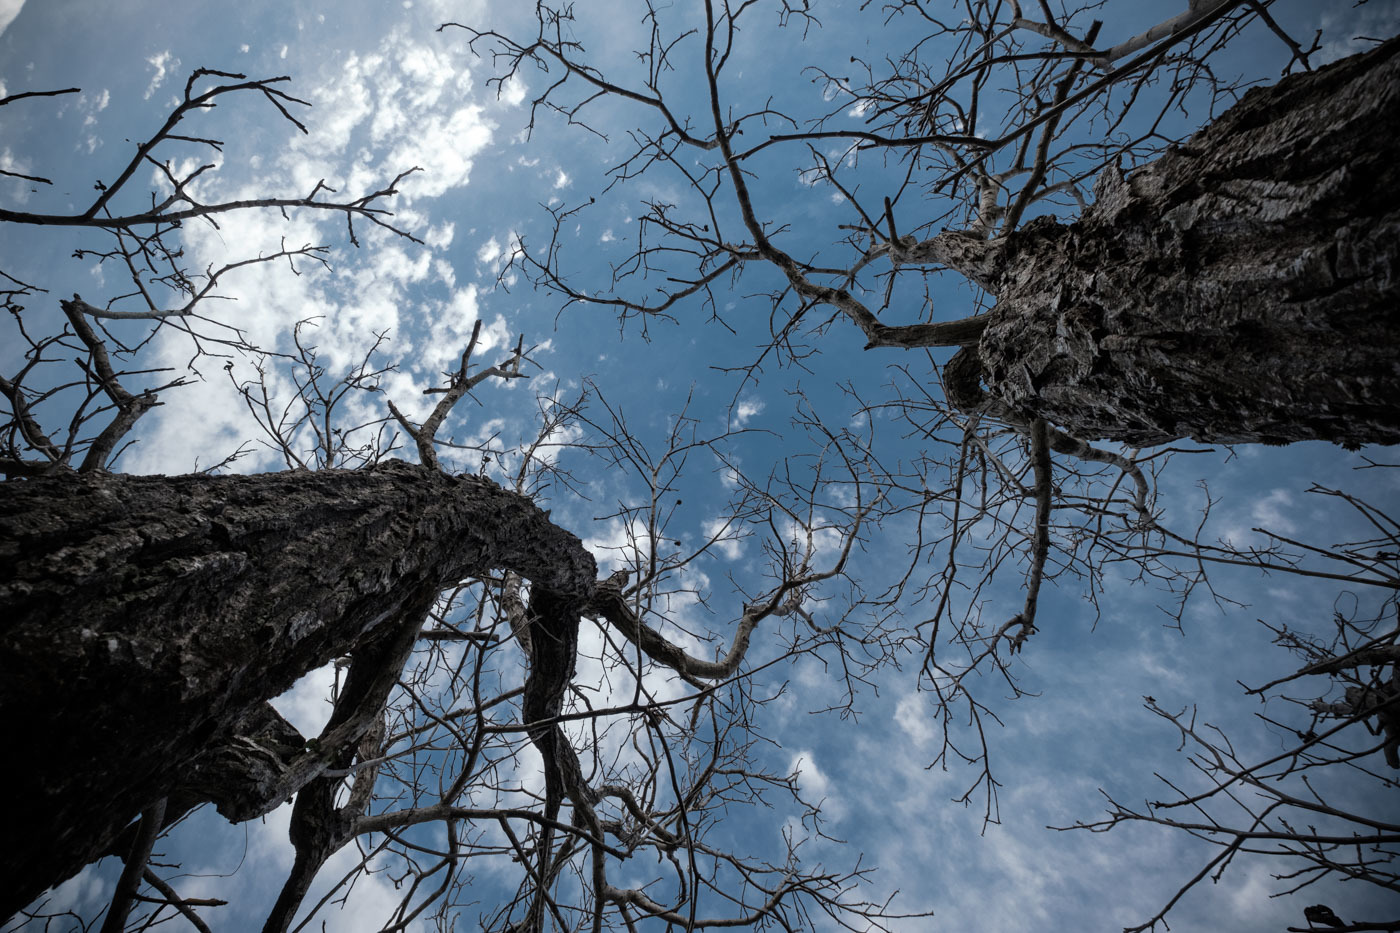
(1235, 290)
(183, 604)
(148, 620)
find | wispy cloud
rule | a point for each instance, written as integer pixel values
(162, 63)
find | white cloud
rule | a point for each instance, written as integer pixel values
(409, 98)
(729, 477)
(340, 107)
(726, 535)
(9, 9)
(613, 547)
(162, 62)
(557, 441)
(443, 146)
(814, 784)
(84, 893)
(12, 163)
(513, 91)
(439, 237)
(1273, 512)
(244, 875)
(400, 264)
(307, 704)
(489, 252)
(1342, 30)
(747, 409)
(912, 715)
(402, 104)
(444, 272)
(451, 328)
(823, 542)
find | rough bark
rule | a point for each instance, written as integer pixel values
(1242, 288)
(144, 619)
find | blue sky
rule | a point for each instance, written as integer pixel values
(390, 92)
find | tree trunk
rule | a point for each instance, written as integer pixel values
(145, 619)
(1242, 288)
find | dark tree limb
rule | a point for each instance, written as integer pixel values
(318, 827)
(185, 906)
(129, 407)
(553, 622)
(202, 597)
(136, 859)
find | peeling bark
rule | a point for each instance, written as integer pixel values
(144, 618)
(1245, 287)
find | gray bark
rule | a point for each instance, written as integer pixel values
(145, 620)
(1245, 287)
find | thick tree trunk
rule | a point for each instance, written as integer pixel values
(145, 619)
(1245, 287)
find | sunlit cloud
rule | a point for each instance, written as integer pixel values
(162, 63)
(9, 9)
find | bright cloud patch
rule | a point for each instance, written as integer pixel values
(9, 9)
(403, 105)
(1275, 512)
(512, 92)
(162, 63)
(725, 536)
(307, 705)
(490, 251)
(911, 714)
(814, 784)
(746, 409)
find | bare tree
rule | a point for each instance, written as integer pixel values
(462, 616)
(151, 618)
(1231, 286)
(1222, 236)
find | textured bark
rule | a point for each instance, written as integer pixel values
(144, 618)
(1242, 288)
